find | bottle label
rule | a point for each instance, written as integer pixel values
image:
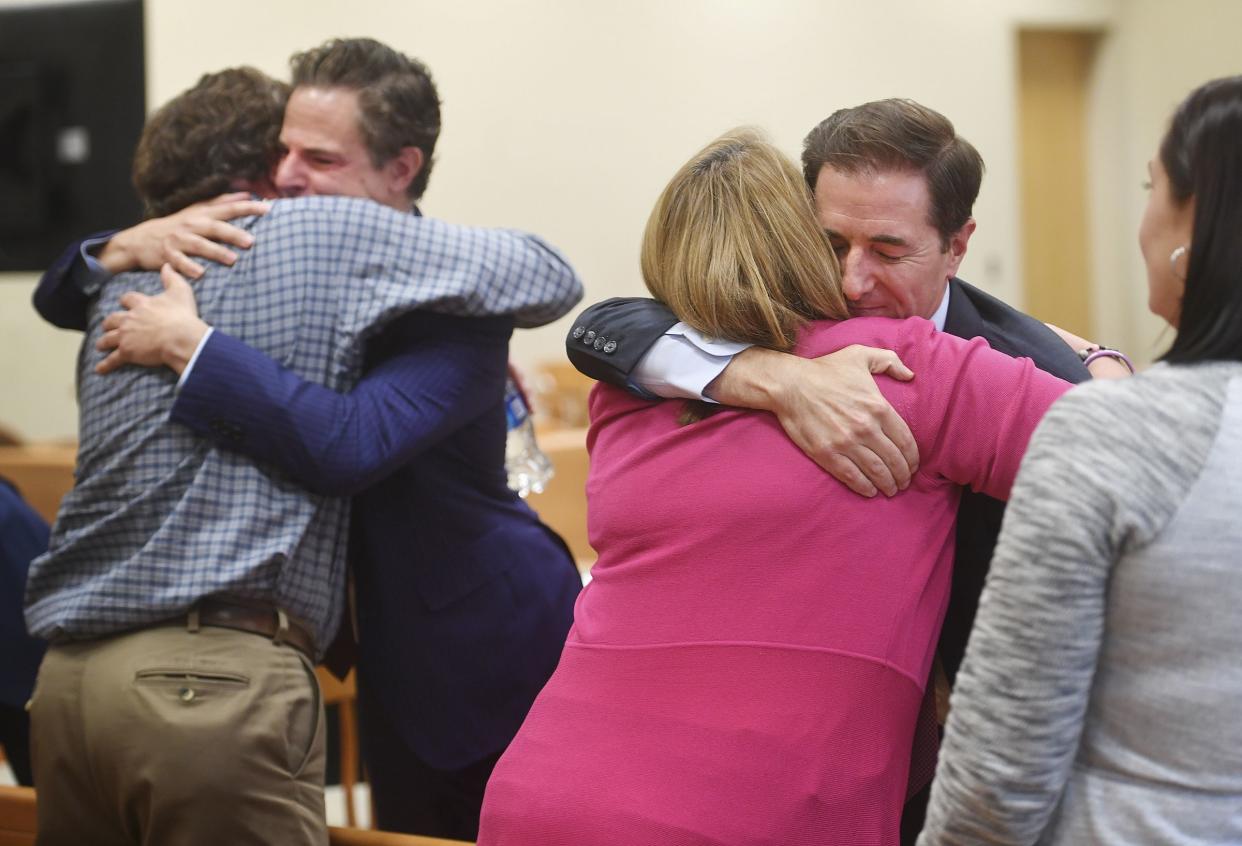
(515, 407)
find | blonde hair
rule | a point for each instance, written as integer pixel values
(733, 247)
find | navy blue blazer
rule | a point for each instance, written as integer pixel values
(59, 296)
(464, 598)
(23, 537)
(636, 324)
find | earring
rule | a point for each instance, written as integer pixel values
(1174, 257)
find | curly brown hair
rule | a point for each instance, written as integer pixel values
(205, 140)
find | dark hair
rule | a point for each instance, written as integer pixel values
(888, 135)
(202, 142)
(397, 101)
(1202, 154)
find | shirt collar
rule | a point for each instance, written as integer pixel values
(942, 312)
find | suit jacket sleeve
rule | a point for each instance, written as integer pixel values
(66, 288)
(976, 313)
(609, 338)
(444, 371)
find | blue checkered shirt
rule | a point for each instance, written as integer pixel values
(158, 518)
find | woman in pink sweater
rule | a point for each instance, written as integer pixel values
(748, 662)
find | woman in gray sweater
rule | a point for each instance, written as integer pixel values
(1100, 701)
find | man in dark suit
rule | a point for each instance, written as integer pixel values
(23, 537)
(894, 188)
(463, 597)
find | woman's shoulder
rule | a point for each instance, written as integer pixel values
(914, 339)
(1163, 399)
(1160, 423)
(822, 337)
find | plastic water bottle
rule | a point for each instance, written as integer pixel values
(528, 468)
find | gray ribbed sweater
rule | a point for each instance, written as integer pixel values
(1100, 700)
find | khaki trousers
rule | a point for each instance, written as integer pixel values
(166, 737)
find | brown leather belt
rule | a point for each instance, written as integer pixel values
(256, 619)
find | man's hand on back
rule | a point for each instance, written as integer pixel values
(201, 230)
(153, 331)
(832, 409)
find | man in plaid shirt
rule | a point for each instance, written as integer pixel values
(159, 715)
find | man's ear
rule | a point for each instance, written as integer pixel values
(957, 245)
(402, 168)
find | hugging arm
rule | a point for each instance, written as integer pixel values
(631, 324)
(830, 407)
(201, 230)
(444, 372)
(984, 404)
(64, 292)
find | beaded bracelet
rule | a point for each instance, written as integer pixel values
(1089, 355)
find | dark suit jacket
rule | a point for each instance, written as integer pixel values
(635, 324)
(23, 537)
(464, 598)
(59, 297)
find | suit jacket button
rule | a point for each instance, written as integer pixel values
(610, 347)
(579, 331)
(589, 338)
(600, 341)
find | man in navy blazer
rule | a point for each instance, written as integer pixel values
(23, 537)
(894, 187)
(463, 597)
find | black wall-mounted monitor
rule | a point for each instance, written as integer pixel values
(72, 105)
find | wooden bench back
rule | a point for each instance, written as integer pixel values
(18, 826)
(17, 816)
(42, 472)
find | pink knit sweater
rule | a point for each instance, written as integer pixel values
(747, 664)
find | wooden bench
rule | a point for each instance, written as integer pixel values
(17, 816)
(18, 826)
(362, 837)
(344, 695)
(42, 472)
(560, 394)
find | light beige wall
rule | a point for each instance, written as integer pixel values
(1157, 54)
(565, 117)
(37, 397)
(36, 366)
